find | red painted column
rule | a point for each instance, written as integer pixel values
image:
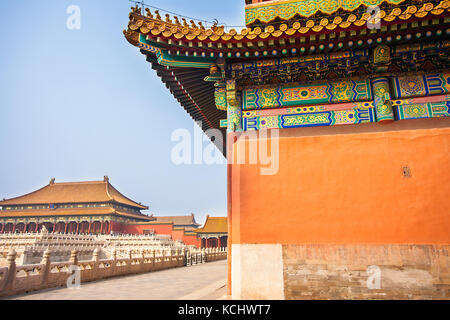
(102, 228)
(65, 228)
(78, 227)
(89, 229)
(14, 228)
(54, 227)
(3, 228)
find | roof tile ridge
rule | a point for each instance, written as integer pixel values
(27, 194)
(107, 190)
(77, 182)
(110, 185)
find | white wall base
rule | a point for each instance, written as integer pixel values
(257, 272)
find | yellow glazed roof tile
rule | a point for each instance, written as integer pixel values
(149, 25)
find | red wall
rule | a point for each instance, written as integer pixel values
(346, 185)
(191, 240)
(139, 228)
(159, 229)
(178, 234)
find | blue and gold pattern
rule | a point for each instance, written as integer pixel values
(382, 99)
(294, 95)
(252, 121)
(417, 86)
(423, 110)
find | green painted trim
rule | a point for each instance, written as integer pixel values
(224, 123)
(165, 59)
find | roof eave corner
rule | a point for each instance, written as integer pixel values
(132, 37)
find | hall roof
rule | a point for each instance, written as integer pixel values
(179, 220)
(214, 225)
(74, 192)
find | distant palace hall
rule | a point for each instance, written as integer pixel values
(73, 207)
(93, 207)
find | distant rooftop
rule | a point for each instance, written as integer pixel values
(215, 225)
(179, 220)
(74, 192)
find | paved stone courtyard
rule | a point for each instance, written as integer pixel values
(201, 282)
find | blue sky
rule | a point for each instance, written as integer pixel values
(80, 104)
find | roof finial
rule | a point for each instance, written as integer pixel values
(52, 181)
(149, 13)
(105, 178)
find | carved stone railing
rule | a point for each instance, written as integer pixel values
(30, 247)
(23, 279)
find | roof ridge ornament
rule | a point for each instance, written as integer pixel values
(158, 17)
(105, 179)
(149, 13)
(52, 181)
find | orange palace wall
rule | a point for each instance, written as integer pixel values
(339, 203)
(192, 240)
(160, 228)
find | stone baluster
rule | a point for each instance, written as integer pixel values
(9, 282)
(142, 259)
(204, 257)
(114, 260)
(45, 268)
(153, 259)
(96, 258)
(73, 258)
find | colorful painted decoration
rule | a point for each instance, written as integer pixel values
(220, 95)
(224, 123)
(381, 54)
(165, 59)
(423, 110)
(416, 86)
(277, 63)
(294, 95)
(234, 113)
(382, 99)
(308, 119)
(288, 9)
